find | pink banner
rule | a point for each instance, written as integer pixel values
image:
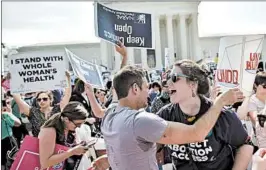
(28, 155)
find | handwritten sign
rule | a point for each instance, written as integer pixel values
(238, 62)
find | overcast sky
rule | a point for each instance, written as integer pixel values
(25, 23)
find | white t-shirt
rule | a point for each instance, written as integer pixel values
(256, 105)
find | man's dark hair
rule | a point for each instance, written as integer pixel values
(125, 78)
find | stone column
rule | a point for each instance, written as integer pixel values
(170, 38)
(158, 54)
(183, 36)
(197, 54)
(104, 53)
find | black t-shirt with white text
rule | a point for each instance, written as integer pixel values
(216, 152)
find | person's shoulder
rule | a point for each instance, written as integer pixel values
(34, 111)
(253, 99)
(166, 111)
(47, 131)
(145, 117)
(142, 114)
(228, 118)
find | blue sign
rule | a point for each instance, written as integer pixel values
(85, 70)
(131, 28)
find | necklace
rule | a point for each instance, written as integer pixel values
(189, 118)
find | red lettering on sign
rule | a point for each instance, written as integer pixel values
(254, 61)
(227, 76)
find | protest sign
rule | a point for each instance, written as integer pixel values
(155, 75)
(238, 61)
(85, 70)
(28, 155)
(133, 29)
(37, 71)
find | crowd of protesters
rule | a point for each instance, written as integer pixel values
(181, 120)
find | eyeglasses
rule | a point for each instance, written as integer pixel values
(76, 124)
(175, 77)
(45, 99)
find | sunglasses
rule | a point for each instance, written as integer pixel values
(175, 77)
(263, 86)
(45, 99)
(76, 124)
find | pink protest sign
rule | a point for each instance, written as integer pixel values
(28, 155)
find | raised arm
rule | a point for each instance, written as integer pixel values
(65, 100)
(97, 110)
(242, 111)
(23, 106)
(179, 133)
(121, 49)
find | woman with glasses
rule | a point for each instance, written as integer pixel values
(59, 129)
(223, 148)
(37, 116)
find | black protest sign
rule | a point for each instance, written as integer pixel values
(131, 28)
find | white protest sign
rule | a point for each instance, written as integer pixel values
(85, 70)
(238, 61)
(37, 71)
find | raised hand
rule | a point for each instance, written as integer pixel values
(230, 97)
(121, 49)
(88, 89)
(68, 75)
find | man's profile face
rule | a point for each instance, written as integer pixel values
(143, 93)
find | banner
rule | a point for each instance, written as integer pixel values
(28, 155)
(131, 28)
(85, 70)
(37, 71)
(238, 61)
